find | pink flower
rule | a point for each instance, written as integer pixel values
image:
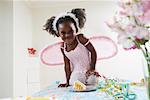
(142, 33)
(146, 5)
(133, 47)
(130, 23)
(115, 25)
(126, 42)
(129, 28)
(123, 13)
(145, 18)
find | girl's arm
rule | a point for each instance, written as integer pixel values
(67, 70)
(90, 47)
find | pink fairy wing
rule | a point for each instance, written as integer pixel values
(51, 55)
(105, 48)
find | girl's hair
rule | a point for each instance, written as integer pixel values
(79, 14)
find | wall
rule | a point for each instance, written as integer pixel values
(22, 41)
(6, 48)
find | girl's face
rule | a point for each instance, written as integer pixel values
(66, 32)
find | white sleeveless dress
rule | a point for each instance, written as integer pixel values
(80, 63)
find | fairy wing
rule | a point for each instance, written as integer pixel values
(52, 55)
(105, 47)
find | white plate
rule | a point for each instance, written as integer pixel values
(88, 88)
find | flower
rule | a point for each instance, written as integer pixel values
(132, 23)
(31, 51)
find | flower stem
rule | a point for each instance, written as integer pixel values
(147, 59)
(145, 53)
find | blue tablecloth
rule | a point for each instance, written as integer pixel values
(65, 94)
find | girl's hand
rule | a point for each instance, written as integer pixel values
(89, 72)
(63, 85)
(92, 72)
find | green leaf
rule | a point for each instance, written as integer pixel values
(142, 41)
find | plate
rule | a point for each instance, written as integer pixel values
(88, 88)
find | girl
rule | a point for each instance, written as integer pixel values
(79, 54)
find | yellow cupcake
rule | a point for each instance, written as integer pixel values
(79, 86)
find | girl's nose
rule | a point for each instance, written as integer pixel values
(67, 35)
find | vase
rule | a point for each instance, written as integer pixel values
(146, 66)
(148, 86)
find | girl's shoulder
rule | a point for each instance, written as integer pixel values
(82, 38)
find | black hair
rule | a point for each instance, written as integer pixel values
(79, 14)
(66, 19)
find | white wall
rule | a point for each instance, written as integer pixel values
(125, 65)
(6, 48)
(22, 41)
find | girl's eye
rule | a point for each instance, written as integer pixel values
(71, 31)
(63, 32)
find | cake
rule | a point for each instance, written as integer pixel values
(79, 86)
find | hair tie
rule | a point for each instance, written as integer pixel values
(64, 15)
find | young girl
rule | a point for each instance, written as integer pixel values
(79, 54)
